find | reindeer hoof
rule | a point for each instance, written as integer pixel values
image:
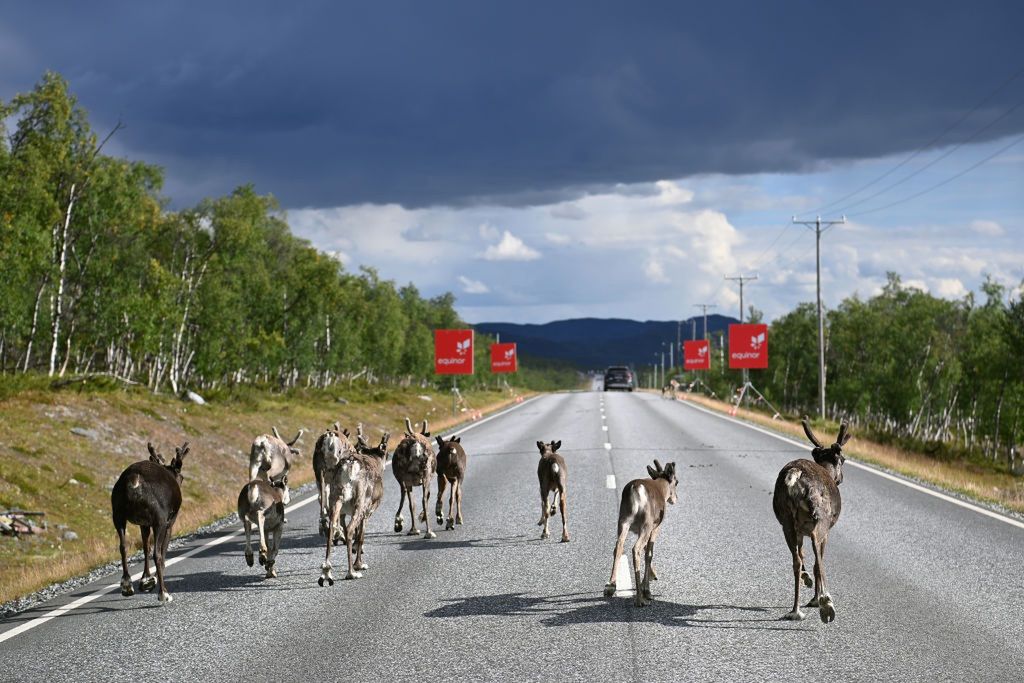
(813, 602)
(544, 535)
(353, 575)
(413, 532)
(551, 512)
(271, 573)
(795, 615)
(806, 578)
(248, 559)
(565, 538)
(263, 560)
(147, 584)
(126, 589)
(647, 595)
(641, 601)
(609, 590)
(430, 534)
(440, 518)
(458, 520)
(166, 598)
(450, 526)
(362, 566)
(399, 523)
(826, 610)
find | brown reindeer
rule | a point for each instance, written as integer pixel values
(261, 502)
(331, 447)
(807, 503)
(553, 476)
(413, 465)
(148, 493)
(642, 510)
(451, 468)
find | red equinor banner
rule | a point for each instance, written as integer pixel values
(504, 358)
(697, 355)
(453, 352)
(748, 346)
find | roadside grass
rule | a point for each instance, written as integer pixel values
(962, 476)
(45, 467)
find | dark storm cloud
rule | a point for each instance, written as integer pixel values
(422, 103)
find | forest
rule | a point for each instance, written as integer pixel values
(101, 277)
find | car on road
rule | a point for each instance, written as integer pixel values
(618, 377)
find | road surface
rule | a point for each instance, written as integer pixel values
(925, 590)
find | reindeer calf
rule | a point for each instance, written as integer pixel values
(451, 468)
(807, 503)
(553, 476)
(148, 493)
(642, 510)
(261, 502)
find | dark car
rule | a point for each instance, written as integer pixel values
(618, 377)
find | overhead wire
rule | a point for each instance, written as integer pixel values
(930, 144)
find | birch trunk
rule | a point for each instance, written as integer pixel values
(62, 261)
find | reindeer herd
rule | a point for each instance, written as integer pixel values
(350, 487)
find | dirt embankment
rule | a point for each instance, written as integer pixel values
(61, 452)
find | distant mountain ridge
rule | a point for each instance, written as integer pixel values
(595, 343)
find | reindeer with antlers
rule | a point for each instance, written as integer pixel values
(413, 464)
(807, 503)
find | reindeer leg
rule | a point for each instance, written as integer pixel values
(126, 578)
(260, 522)
(620, 543)
(426, 502)
(795, 542)
(826, 608)
(163, 539)
(399, 522)
(148, 581)
(324, 492)
(650, 569)
(648, 559)
(325, 568)
(350, 538)
(441, 481)
(565, 521)
(544, 514)
(272, 557)
(451, 504)
(412, 513)
(805, 577)
(248, 540)
(638, 579)
(360, 562)
(458, 518)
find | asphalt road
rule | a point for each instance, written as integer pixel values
(924, 590)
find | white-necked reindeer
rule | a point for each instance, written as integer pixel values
(642, 510)
(807, 503)
(332, 446)
(269, 457)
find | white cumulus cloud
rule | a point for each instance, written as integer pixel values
(557, 238)
(470, 286)
(510, 248)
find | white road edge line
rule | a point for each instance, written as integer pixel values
(609, 481)
(86, 599)
(869, 468)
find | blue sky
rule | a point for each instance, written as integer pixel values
(550, 160)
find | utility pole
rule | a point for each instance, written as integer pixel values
(741, 279)
(816, 225)
(705, 308)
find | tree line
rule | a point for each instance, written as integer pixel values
(101, 277)
(903, 365)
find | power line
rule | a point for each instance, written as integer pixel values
(924, 147)
(937, 159)
(741, 279)
(948, 180)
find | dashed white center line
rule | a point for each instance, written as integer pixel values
(609, 481)
(607, 446)
(604, 428)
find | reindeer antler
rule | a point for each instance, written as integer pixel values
(153, 455)
(809, 433)
(297, 437)
(408, 426)
(425, 431)
(276, 433)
